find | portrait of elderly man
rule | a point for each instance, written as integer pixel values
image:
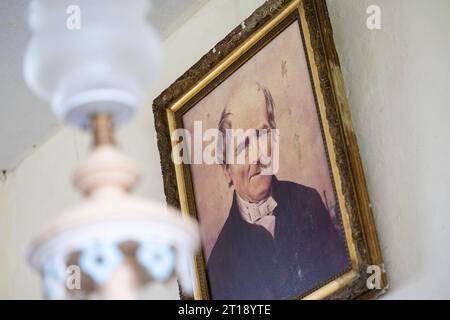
(278, 241)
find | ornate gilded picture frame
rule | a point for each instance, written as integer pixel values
(306, 230)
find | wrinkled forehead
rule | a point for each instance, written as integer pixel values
(247, 107)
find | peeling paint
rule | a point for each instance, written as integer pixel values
(3, 176)
(284, 69)
(296, 146)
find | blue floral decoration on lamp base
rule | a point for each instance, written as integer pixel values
(157, 258)
(100, 260)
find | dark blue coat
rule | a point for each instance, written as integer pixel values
(306, 251)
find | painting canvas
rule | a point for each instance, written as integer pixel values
(300, 244)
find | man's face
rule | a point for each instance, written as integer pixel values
(248, 111)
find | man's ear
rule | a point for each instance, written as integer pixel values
(227, 173)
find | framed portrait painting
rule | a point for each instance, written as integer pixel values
(256, 143)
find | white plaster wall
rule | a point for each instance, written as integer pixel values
(398, 86)
(40, 187)
(397, 82)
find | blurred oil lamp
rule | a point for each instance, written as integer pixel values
(95, 77)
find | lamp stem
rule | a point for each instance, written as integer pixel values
(102, 129)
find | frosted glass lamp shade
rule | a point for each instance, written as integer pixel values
(90, 56)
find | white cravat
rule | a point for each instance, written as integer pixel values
(260, 213)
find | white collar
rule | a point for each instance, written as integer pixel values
(253, 212)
